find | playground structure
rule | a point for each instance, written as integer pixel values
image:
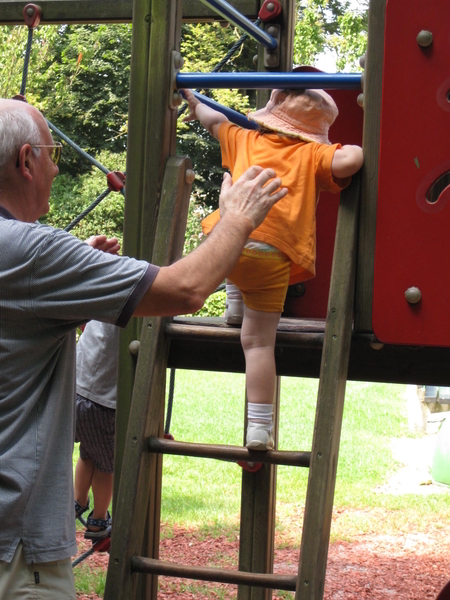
(384, 299)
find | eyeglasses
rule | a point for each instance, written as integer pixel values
(56, 151)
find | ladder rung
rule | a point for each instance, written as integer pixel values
(228, 453)
(140, 564)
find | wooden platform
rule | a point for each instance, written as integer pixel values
(209, 344)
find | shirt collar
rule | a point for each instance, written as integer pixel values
(6, 214)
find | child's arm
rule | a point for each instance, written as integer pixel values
(208, 117)
(346, 161)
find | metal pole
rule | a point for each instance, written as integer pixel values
(260, 81)
(232, 15)
(232, 115)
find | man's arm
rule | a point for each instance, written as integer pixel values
(184, 286)
(208, 117)
(347, 161)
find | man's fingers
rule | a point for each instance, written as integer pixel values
(253, 172)
(272, 186)
(279, 195)
(226, 183)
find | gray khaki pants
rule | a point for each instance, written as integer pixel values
(43, 581)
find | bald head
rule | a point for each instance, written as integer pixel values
(20, 123)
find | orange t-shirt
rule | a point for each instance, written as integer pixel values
(304, 168)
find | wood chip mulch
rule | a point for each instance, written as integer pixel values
(404, 566)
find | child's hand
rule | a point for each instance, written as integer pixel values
(193, 103)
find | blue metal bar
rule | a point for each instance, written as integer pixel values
(268, 81)
(232, 115)
(232, 15)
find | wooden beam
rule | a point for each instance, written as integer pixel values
(369, 180)
(109, 11)
(298, 354)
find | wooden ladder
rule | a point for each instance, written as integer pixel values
(158, 192)
(141, 466)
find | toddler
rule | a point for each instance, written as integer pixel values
(292, 140)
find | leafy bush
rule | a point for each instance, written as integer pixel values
(213, 307)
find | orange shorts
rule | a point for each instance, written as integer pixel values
(263, 279)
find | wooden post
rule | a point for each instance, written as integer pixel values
(369, 179)
(140, 482)
(330, 403)
(151, 140)
(258, 495)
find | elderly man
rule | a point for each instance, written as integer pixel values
(49, 284)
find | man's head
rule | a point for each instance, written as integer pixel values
(26, 167)
(306, 114)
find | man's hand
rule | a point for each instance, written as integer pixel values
(252, 196)
(101, 242)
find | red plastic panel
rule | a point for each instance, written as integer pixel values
(413, 212)
(347, 129)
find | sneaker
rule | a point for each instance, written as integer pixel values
(234, 312)
(259, 438)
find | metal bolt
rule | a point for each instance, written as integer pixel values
(306, 583)
(272, 30)
(255, 59)
(424, 38)
(270, 7)
(190, 176)
(360, 100)
(30, 11)
(134, 346)
(376, 345)
(178, 60)
(271, 59)
(224, 24)
(362, 61)
(177, 99)
(413, 295)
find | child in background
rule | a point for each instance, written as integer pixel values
(292, 140)
(97, 367)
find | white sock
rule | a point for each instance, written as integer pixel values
(261, 414)
(233, 292)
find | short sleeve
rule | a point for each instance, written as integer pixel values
(72, 281)
(229, 135)
(324, 178)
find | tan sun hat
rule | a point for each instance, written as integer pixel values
(307, 114)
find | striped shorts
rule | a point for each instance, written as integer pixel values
(95, 427)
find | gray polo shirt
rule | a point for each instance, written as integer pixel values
(50, 283)
(97, 363)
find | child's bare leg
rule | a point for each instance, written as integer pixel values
(258, 342)
(102, 488)
(83, 478)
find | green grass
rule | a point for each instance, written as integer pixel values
(209, 408)
(204, 495)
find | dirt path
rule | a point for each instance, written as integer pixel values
(409, 566)
(413, 564)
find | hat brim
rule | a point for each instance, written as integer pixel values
(266, 119)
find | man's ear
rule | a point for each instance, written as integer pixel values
(25, 161)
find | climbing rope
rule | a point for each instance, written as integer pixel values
(116, 179)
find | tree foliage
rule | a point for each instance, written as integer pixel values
(79, 77)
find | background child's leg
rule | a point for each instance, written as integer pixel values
(258, 342)
(83, 478)
(102, 488)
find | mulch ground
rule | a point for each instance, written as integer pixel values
(405, 566)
